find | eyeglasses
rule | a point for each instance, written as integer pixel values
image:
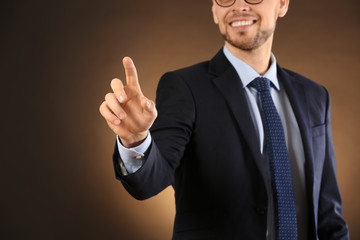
(228, 3)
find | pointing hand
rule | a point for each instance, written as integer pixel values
(126, 110)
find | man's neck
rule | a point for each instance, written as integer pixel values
(258, 59)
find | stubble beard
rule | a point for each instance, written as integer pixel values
(245, 43)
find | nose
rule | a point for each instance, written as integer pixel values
(241, 5)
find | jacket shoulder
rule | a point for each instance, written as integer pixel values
(193, 70)
(192, 76)
(301, 78)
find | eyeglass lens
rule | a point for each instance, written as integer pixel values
(228, 3)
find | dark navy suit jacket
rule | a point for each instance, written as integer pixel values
(205, 146)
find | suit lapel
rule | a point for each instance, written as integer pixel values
(228, 83)
(297, 96)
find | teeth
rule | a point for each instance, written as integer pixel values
(241, 23)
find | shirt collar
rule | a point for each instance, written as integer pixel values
(248, 74)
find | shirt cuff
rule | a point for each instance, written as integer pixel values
(133, 158)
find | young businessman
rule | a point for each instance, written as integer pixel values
(246, 144)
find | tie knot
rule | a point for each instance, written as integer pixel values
(261, 84)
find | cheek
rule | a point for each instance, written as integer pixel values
(216, 20)
(219, 15)
(222, 27)
(215, 16)
(269, 21)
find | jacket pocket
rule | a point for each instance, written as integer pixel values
(318, 130)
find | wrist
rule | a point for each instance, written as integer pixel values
(134, 141)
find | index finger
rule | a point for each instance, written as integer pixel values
(131, 73)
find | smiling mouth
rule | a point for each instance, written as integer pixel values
(242, 23)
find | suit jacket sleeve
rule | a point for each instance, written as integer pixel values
(170, 132)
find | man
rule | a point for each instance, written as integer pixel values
(214, 139)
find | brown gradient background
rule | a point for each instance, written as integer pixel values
(57, 60)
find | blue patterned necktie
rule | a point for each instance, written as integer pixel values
(283, 191)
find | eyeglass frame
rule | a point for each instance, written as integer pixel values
(260, 1)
